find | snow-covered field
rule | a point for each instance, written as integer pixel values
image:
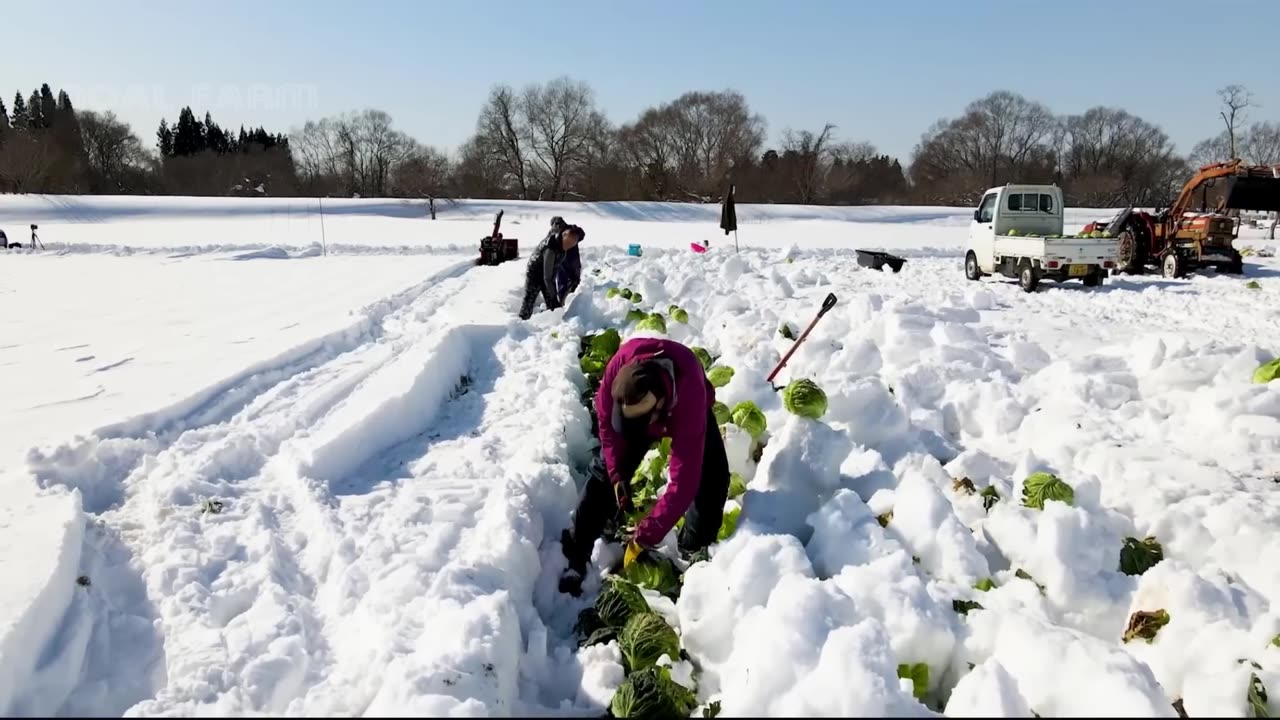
(244, 478)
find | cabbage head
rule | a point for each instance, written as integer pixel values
(636, 297)
(635, 315)
(803, 397)
(651, 693)
(654, 572)
(625, 293)
(747, 416)
(590, 365)
(612, 293)
(1138, 556)
(720, 375)
(619, 601)
(1253, 285)
(728, 523)
(644, 638)
(721, 411)
(671, 309)
(1042, 486)
(1267, 373)
(703, 356)
(604, 345)
(654, 322)
(680, 316)
(786, 331)
(736, 485)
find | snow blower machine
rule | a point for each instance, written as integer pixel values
(495, 248)
(1199, 228)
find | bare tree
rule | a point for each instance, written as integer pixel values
(1236, 99)
(1261, 144)
(424, 172)
(501, 134)
(27, 160)
(115, 154)
(809, 154)
(559, 117)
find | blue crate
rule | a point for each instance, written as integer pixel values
(633, 250)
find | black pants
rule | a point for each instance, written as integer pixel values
(533, 287)
(598, 504)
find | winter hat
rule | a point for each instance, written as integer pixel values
(558, 223)
(635, 380)
(577, 230)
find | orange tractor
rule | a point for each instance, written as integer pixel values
(1199, 228)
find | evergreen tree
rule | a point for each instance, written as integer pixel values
(215, 138)
(35, 114)
(164, 139)
(48, 106)
(188, 136)
(21, 119)
(244, 140)
(4, 117)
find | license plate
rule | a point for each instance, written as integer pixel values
(1078, 270)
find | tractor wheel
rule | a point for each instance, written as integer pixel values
(971, 269)
(1028, 277)
(1131, 258)
(1173, 266)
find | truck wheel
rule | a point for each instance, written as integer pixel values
(971, 270)
(1094, 279)
(1028, 276)
(1173, 266)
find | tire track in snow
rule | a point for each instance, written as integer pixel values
(232, 589)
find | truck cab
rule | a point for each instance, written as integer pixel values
(1016, 231)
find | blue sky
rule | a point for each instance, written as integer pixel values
(880, 71)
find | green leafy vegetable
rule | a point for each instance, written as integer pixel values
(625, 293)
(720, 375)
(747, 416)
(619, 601)
(1257, 697)
(612, 293)
(965, 485)
(989, 497)
(1276, 641)
(1144, 625)
(712, 710)
(591, 365)
(635, 315)
(985, 585)
(1267, 373)
(804, 398)
(918, 674)
(654, 322)
(636, 297)
(645, 638)
(651, 693)
(721, 411)
(605, 345)
(1042, 486)
(786, 331)
(1138, 556)
(680, 316)
(1027, 576)
(728, 524)
(737, 487)
(704, 357)
(655, 572)
(1253, 285)
(964, 606)
(884, 519)
(671, 309)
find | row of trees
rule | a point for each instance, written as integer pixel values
(553, 142)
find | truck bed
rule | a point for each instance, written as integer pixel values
(1066, 250)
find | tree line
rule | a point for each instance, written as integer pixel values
(552, 141)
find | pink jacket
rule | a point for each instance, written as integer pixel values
(690, 397)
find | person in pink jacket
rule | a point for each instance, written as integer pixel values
(652, 388)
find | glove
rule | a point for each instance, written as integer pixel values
(633, 552)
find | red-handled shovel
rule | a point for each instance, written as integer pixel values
(827, 304)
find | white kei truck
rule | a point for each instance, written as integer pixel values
(1016, 231)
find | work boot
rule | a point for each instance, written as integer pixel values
(572, 576)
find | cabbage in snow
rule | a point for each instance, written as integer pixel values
(736, 485)
(1144, 625)
(1267, 373)
(803, 397)
(645, 638)
(720, 375)
(1139, 556)
(635, 315)
(655, 572)
(1042, 486)
(703, 356)
(651, 693)
(747, 416)
(728, 524)
(721, 411)
(654, 322)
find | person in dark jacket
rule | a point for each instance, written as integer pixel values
(653, 388)
(570, 272)
(544, 264)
